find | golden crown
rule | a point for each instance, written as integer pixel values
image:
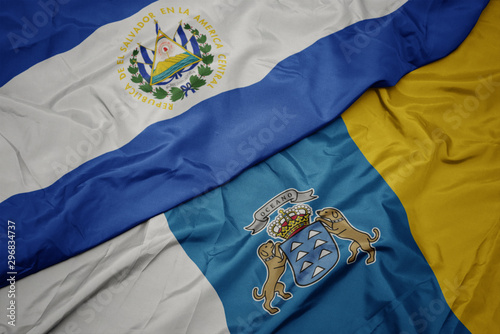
(289, 221)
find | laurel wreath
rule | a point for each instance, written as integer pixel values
(195, 81)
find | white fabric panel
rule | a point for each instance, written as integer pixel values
(139, 282)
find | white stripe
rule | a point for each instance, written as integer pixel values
(72, 107)
(140, 279)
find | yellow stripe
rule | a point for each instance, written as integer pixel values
(435, 138)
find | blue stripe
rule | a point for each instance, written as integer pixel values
(23, 44)
(145, 55)
(142, 68)
(174, 160)
(390, 295)
(182, 35)
(144, 72)
(195, 46)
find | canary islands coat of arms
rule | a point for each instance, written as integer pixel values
(309, 247)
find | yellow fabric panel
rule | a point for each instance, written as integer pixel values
(435, 139)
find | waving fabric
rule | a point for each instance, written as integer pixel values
(360, 215)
